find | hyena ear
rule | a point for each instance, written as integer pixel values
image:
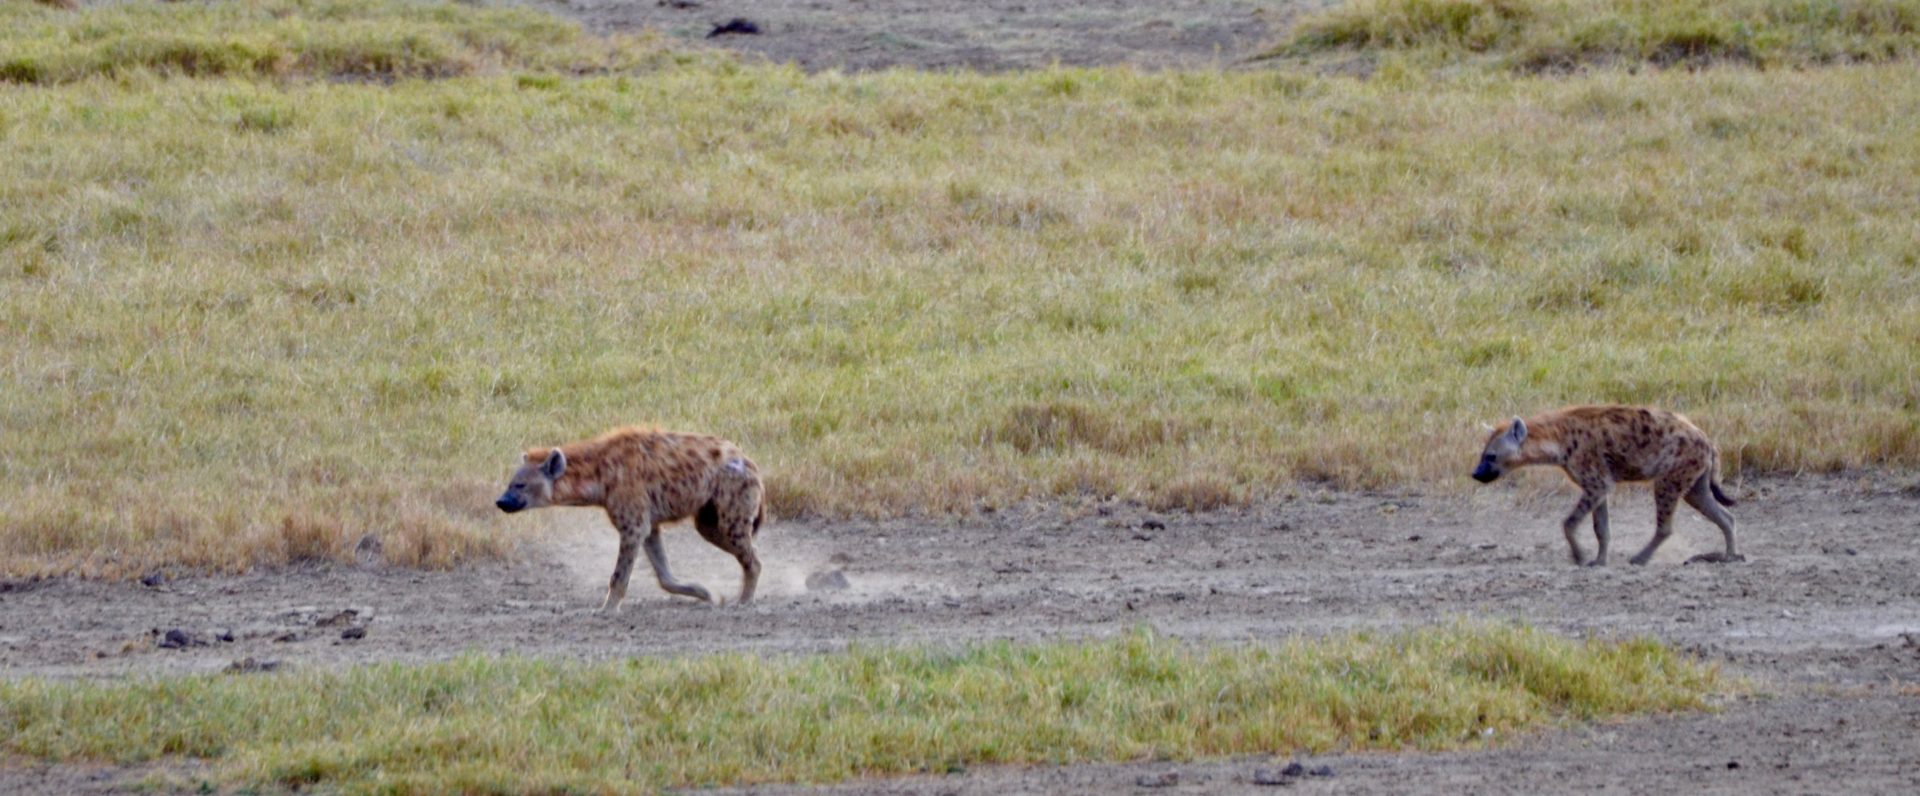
(555, 465)
(1518, 431)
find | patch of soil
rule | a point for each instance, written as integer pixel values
(985, 35)
(1824, 615)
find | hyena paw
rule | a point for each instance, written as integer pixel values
(1597, 562)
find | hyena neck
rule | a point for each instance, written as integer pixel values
(1543, 445)
(580, 484)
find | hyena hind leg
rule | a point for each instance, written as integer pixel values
(1666, 496)
(732, 532)
(1700, 497)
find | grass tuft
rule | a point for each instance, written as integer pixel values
(500, 725)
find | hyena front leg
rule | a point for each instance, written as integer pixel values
(1600, 534)
(1591, 495)
(1666, 495)
(658, 556)
(629, 529)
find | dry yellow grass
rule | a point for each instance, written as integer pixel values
(244, 321)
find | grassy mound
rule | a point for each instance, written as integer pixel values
(1542, 34)
(379, 40)
(482, 725)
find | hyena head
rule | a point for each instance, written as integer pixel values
(532, 484)
(1502, 446)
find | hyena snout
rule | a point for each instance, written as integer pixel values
(511, 503)
(1488, 470)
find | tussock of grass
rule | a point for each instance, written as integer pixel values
(246, 322)
(485, 725)
(306, 39)
(1547, 34)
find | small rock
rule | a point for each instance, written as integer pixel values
(249, 665)
(1164, 779)
(178, 639)
(679, 4)
(1320, 771)
(1732, 765)
(1414, 538)
(353, 633)
(1143, 537)
(829, 580)
(736, 26)
(1154, 525)
(224, 636)
(153, 580)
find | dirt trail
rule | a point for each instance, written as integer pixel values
(985, 35)
(1825, 616)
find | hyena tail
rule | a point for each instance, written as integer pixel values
(1717, 494)
(760, 516)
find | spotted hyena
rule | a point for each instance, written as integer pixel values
(1598, 446)
(643, 478)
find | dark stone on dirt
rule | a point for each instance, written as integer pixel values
(153, 580)
(828, 580)
(1414, 538)
(1714, 558)
(1143, 537)
(1733, 765)
(249, 665)
(1164, 779)
(1294, 769)
(353, 633)
(740, 26)
(679, 4)
(224, 636)
(1154, 525)
(179, 639)
(1320, 771)
(22, 585)
(1268, 776)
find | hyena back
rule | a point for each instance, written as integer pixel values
(645, 478)
(1599, 446)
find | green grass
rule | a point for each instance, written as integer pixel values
(248, 320)
(1554, 34)
(306, 39)
(488, 725)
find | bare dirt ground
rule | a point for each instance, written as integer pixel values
(1824, 618)
(985, 35)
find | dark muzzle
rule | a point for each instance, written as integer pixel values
(1485, 473)
(510, 503)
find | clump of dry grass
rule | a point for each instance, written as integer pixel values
(484, 725)
(224, 302)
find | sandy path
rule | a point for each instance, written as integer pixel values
(1826, 615)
